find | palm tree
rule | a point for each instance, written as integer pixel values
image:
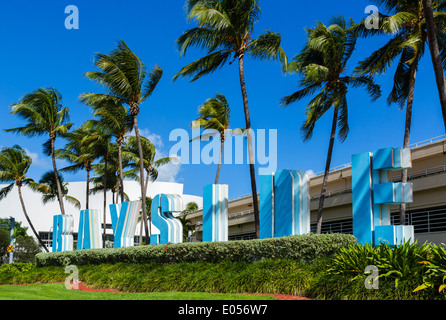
(187, 224)
(44, 113)
(125, 78)
(79, 153)
(150, 165)
(113, 117)
(225, 29)
(215, 115)
(435, 53)
(14, 164)
(113, 170)
(140, 218)
(100, 141)
(322, 64)
(47, 186)
(407, 26)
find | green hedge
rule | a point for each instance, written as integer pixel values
(304, 248)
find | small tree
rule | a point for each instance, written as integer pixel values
(25, 249)
(45, 115)
(14, 164)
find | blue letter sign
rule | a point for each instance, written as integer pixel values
(63, 226)
(215, 212)
(372, 194)
(284, 204)
(171, 229)
(124, 225)
(89, 235)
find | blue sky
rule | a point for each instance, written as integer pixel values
(38, 51)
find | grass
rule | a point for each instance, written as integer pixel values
(57, 291)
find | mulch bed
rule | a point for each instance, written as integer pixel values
(82, 286)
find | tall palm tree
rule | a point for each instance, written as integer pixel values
(406, 24)
(126, 79)
(79, 153)
(435, 51)
(140, 218)
(48, 188)
(150, 164)
(98, 179)
(100, 141)
(215, 115)
(113, 172)
(44, 113)
(14, 164)
(226, 30)
(322, 65)
(115, 118)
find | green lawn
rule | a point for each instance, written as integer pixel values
(57, 291)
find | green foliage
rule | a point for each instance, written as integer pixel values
(406, 25)
(8, 271)
(25, 249)
(225, 31)
(266, 276)
(403, 271)
(322, 65)
(434, 279)
(408, 271)
(299, 248)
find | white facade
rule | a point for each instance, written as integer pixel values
(42, 215)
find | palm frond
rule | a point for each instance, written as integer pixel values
(154, 78)
(204, 66)
(267, 47)
(6, 190)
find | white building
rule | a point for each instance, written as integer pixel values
(42, 215)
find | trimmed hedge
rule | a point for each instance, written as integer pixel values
(303, 248)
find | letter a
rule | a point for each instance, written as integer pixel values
(72, 21)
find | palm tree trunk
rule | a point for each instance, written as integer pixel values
(141, 172)
(121, 179)
(407, 126)
(19, 188)
(145, 192)
(105, 202)
(219, 162)
(327, 170)
(87, 200)
(435, 55)
(250, 150)
(59, 189)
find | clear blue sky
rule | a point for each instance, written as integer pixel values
(37, 51)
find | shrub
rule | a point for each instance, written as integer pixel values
(434, 279)
(304, 248)
(266, 276)
(401, 271)
(8, 271)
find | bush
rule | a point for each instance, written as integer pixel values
(8, 271)
(434, 279)
(401, 273)
(266, 276)
(303, 248)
